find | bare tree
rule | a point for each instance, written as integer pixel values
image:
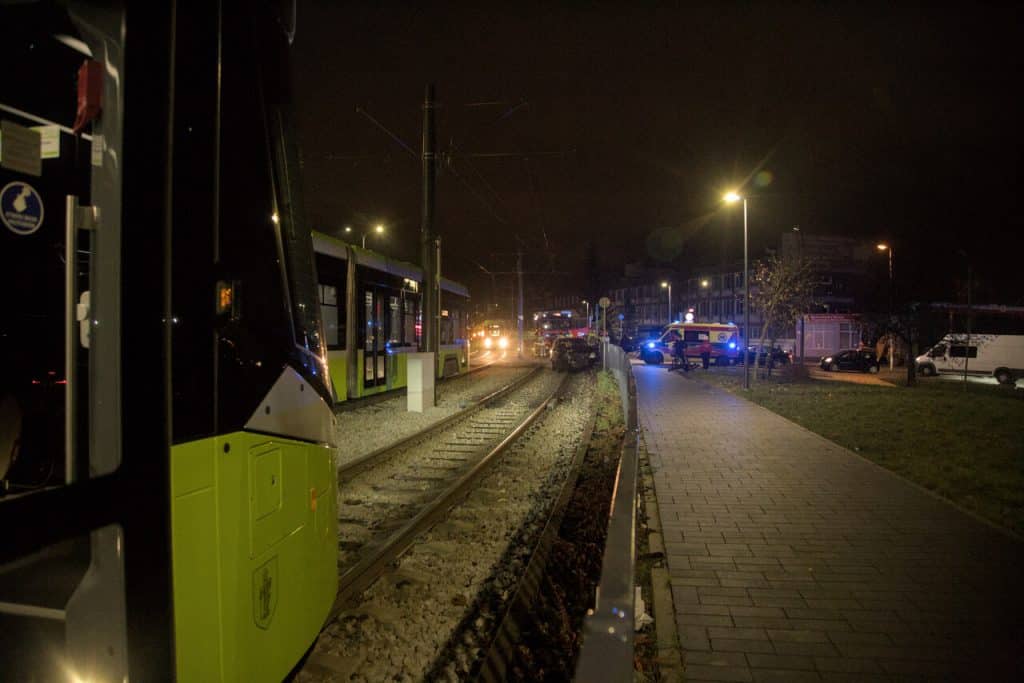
(784, 290)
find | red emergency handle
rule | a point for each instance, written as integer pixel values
(90, 93)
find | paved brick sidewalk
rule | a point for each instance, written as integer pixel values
(794, 559)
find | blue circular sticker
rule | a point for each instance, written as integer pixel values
(21, 208)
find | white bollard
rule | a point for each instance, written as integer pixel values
(421, 374)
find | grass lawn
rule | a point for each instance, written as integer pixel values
(966, 446)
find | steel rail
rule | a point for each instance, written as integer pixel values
(348, 470)
(362, 575)
(501, 651)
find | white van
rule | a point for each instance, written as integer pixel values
(989, 355)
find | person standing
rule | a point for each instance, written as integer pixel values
(679, 353)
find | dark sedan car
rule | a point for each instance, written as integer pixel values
(863, 360)
(569, 353)
(644, 334)
(777, 356)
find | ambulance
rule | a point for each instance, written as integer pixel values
(721, 341)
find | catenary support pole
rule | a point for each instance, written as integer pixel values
(967, 347)
(428, 245)
(519, 302)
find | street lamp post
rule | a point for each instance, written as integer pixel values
(889, 248)
(706, 286)
(732, 197)
(668, 285)
(377, 230)
(587, 304)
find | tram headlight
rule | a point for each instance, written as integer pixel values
(487, 342)
(503, 343)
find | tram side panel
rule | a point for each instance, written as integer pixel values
(253, 519)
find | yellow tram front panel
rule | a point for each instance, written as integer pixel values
(253, 524)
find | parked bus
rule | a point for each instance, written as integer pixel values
(721, 341)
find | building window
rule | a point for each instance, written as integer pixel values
(849, 336)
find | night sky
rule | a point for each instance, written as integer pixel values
(624, 123)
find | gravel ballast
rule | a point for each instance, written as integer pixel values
(456, 577)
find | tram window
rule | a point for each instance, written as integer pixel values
(446, 328)
(333, 327)
(409, 335)
(395, 315)
(330, 272)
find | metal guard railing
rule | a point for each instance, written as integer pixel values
(607, 650)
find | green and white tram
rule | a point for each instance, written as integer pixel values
(370, 305)
(167, 480)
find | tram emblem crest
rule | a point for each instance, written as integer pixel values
(264, 593)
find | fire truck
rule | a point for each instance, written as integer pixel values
(560, 323)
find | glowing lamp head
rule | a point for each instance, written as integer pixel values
(883, 247)
(732, 345)
(348, 229)
(378, 229)
(731, 197)
(664, 285)
(650, 345)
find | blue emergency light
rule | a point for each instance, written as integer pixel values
(650, 345)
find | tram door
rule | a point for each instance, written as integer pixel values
(376, 336)
(83, 565)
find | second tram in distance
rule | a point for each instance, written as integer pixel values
(371, 308)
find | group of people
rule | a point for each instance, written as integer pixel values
(678, 345)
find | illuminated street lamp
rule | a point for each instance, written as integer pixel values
(377, 229)
(668, 285)
(587, 304)
(886, 247)
(731, 198)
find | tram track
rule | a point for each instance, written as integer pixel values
(456, 461)
(349, 470)
(452, 483)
